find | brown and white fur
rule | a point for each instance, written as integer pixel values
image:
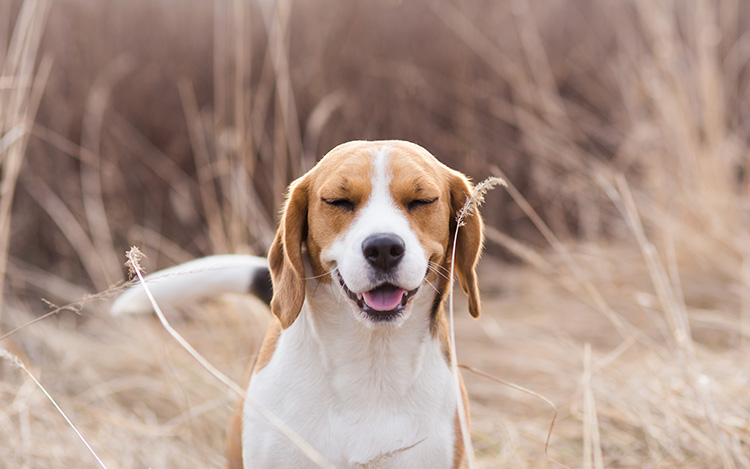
(356, 360)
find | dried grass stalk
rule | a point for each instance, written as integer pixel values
(134, 256)
(6, 355)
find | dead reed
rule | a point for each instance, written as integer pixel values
(620, 127)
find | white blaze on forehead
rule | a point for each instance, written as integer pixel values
(380, 214)
(381, 177)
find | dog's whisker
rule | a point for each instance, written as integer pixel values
(439, 268)
(437, 272)
(440, 274)
(435, 264)
(330, 272)
(339, 291)
(316, 288)
(431, 285)
(336, 292)
(339, 295)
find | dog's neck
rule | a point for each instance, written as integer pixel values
(356, 356)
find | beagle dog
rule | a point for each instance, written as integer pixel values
(356, 359)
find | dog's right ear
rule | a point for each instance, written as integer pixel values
(285, 256)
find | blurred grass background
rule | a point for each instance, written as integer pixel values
(617, 277)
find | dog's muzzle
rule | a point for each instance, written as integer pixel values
(383, 303)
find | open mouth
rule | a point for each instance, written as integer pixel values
(383, 303)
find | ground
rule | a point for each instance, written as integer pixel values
(633, 400)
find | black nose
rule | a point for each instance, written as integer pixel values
(383, 251)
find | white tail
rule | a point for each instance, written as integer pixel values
(199, 278)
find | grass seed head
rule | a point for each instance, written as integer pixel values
(133, 263)
(477, 197)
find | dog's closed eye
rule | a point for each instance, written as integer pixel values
(344, 204)
(415, 204)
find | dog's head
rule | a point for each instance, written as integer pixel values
(378, 220)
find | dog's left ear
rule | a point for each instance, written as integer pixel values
(469, 243)
(285, 256)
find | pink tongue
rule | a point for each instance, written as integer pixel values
(384, 298)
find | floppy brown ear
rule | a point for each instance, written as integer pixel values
(469, 243)
(285, 256)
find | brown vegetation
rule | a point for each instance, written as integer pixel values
(617, 279)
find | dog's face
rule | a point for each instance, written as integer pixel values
(377, 219)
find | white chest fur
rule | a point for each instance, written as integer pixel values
(359, 395)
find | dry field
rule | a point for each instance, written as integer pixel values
(616, 282)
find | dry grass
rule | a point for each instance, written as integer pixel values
(620, 127)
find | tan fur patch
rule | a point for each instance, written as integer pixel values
(344, 175)
(234, 431)
(416, 178)
(458, 445)
(234, 437)
(268, 347)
